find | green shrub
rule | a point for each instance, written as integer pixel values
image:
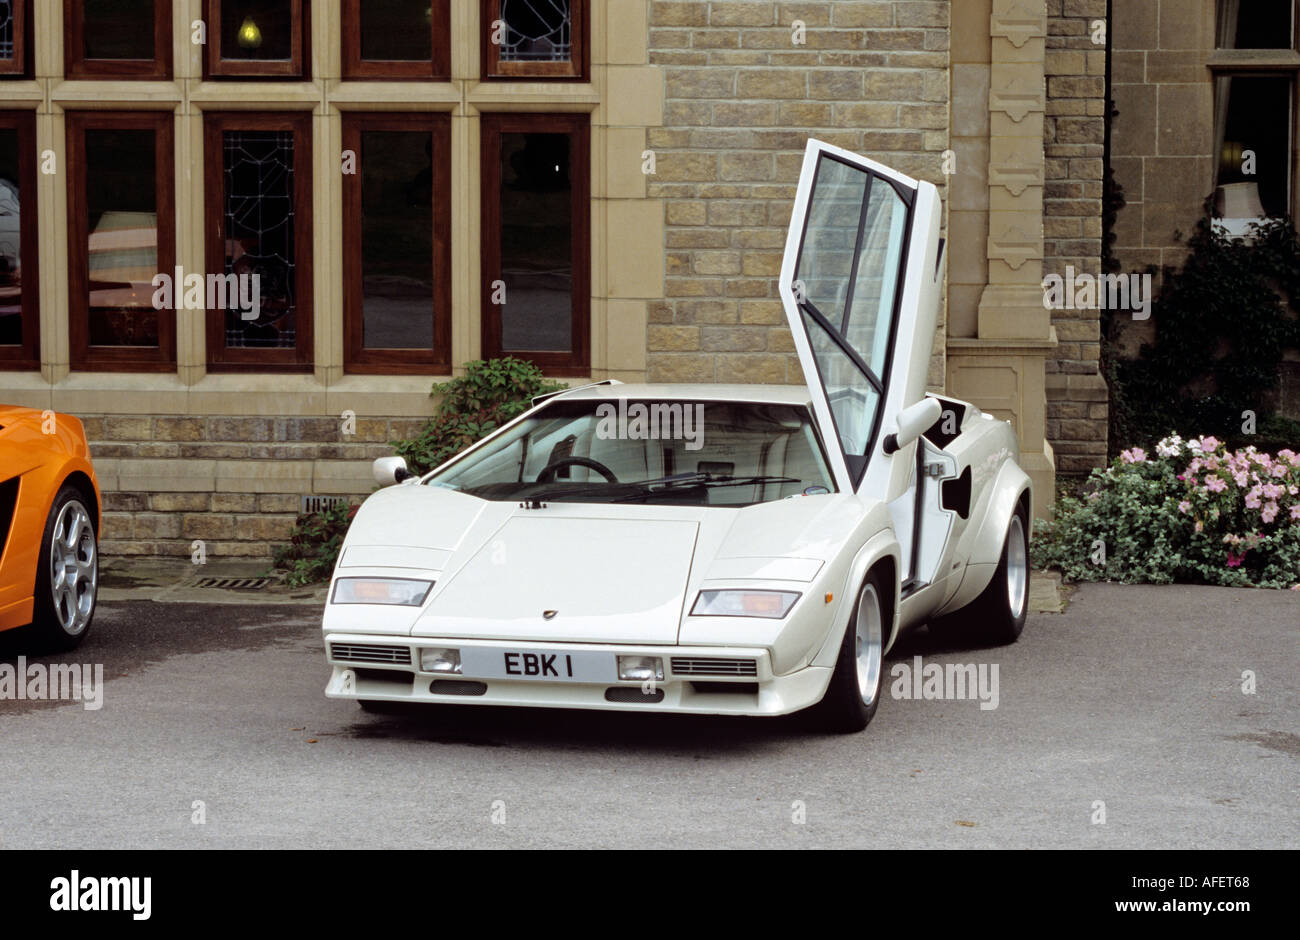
(1193, 512)
(314, 547)
(1224, 325)
(489, 394)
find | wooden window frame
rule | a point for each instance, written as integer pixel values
(17, 67)
(438, 68)
(28, 355)
(577, 69)
(77, 66)
(84, 356)
(576, 362)
(357, 357)
(295, 67)
(239, 359)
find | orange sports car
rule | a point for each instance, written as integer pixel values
(49, 521)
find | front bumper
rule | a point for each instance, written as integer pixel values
(369, 667)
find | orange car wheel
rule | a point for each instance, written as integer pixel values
(68, 573)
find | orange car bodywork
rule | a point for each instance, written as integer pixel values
(39, 452)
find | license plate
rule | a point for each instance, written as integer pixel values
(542, 665)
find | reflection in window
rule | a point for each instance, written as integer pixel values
(258, 217)
(1253, 129)
(11, 259)
(826, 261)
(118, 29)
(397, 239)
(257, 30)
(853, 399)
(536, 31)
(397, 30)
(536, 242)
(122, 243)
(875, 284)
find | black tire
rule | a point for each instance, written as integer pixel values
(995, 618)
(67, 574)
(844, 708)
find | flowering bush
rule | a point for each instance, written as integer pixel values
(1193, 511)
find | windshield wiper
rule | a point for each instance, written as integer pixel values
(649, 488)
(705, 480)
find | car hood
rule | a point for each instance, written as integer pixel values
(573, 572)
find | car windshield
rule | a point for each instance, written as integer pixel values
(714, 453)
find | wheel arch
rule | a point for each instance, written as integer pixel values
(881, 552)
(1010, 491)
(84, 485)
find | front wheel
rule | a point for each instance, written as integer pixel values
(67, 578)
(853, 695)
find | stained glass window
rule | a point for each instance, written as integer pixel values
(7, 46)
(536, 31)
(259, 215)
(12, 29)
(535, 38)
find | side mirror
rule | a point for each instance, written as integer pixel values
(912, 423)
(391, 470)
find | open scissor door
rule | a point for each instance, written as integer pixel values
(860, 283)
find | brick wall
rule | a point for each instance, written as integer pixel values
(1074, 142)
(234, 482)
(741, 100)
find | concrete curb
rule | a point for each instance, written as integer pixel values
(176, 581)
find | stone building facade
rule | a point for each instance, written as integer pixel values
(692, 117)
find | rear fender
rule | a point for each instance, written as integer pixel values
(1006, 491)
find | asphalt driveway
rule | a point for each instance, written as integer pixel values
(214, 732)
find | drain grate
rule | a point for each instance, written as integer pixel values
(314, 504)
(234, 584)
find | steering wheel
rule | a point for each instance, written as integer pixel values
(548, 472)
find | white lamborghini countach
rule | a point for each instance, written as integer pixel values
(709, 549)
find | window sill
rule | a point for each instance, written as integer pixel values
(1231, 59)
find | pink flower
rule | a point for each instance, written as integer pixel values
(1184, 506)
(1136, 455)
(1216, 484)
(1295, 513)
(1252, 500)
(1209, 444)
(1269, 512)
(1234, 561)
(1240, 477)
(1279, 470)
